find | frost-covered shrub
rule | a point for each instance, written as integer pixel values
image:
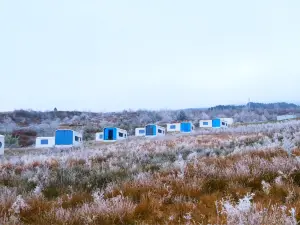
(19, 205)
(169, 179)
(297, 139)
(246, 212)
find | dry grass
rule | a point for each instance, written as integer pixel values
(146, 182)
(168, 198)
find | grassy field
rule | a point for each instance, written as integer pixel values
(242, 175)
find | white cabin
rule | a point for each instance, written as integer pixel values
(112, 134)
(68, 138)
(219, 123)
(99, 136)
(140, 132)
(173, 127)
(2, 143)
(183, 127)
(45, 142)
(153, 130)
(205, 123)
(286, 117)
(229, 121)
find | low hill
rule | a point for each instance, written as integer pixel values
(45, 123)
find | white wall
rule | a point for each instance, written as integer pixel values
(137, 132)
(193, 126)
(209, 123)
(2, 143)
(78, 142)
(177, 127)
(229, 121)
(224, 123)
(162, 129)
(286, 117)
(97, 136)
(121, 134)
(51, 142)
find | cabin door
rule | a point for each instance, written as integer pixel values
(150, 130)
(110, 135)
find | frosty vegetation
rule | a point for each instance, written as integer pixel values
(241, 175)
(45, 123)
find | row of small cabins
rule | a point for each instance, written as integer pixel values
(66, 138)
(70, 138)
(152, 130)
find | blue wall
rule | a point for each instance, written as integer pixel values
(106, 132)
(64, 137)
(185, 127)
(150, 130)
(216, 123)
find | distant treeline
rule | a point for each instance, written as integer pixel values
(255, 105)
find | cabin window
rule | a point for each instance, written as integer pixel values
(76, 138)
(205, 123)
(141, 131)
(173, 127)
(44, 141)
(100, 136)
(159, 131)
(125, 135)
(121, 134)
(0, 144)
(223, 123)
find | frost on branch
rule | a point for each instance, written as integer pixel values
(19, 205)
(246, 212)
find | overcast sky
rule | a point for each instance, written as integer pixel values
(114, 55)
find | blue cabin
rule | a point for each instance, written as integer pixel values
(153, 130)
(186, 127)
(114, 134)
(67, 138)
(218, 123)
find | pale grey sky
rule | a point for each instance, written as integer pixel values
(113, 55)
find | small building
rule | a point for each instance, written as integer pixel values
(184, 127)
(153, 130)
(114, 134)
(205, 123)
(99, 136)
(286, 117)
(45, 142)
(2, 143)
(140, 132)
(173, 127)
(67, 138)
(219, 123)
(229, 121)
